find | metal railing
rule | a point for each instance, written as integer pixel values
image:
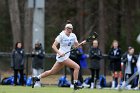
(48, 56)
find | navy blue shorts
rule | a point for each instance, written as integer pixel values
(115, 66)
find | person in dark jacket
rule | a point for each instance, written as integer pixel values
(129, 61)
(83, 58)
(38, 55)
(95, 56)
(114, 55)
(75, 56)
(18, 63)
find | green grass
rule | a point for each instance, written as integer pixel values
(53, 89)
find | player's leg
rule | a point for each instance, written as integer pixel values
(119, 77)
(35, 74)
(112, 68)
(76, 68)
(56, 67)
(71, 74)
(21, 77)
(92, 78)
(15, 76)
(80, 76)
(97, 79)
(138, 85)
(73, 65)
(113, 80)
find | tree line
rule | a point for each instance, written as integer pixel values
(112, 19)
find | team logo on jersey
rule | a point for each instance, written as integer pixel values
(69, 43)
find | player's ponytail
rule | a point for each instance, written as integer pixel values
(68, 22)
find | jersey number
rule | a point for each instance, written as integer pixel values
(69, 43)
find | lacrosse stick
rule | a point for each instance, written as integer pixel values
(89, 39)
(130, 79)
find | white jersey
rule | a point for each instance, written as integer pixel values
(66, 43)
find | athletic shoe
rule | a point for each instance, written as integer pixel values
(118, 87)
(71, 86)
(92, 86)
(128, 87)
(34, 79)
(98, 87)
(76, 86)
(85, 85)
(37, 84)
(136, 88)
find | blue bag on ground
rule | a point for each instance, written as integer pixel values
(63, 82)
(102, 81)
(10, 80)
(87, 80)
(29, 81)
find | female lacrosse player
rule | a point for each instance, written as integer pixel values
(66, 39)
(115, 63)
(95, 55)
(129, 62)
(17, 63)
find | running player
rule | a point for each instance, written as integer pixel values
(66, 39)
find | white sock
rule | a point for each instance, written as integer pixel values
(39, 76)
(113, 84)
(92, 85)
(75, 81)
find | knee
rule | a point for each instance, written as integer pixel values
(115, 74)
(77, 67)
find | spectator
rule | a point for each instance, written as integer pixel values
(129, 63)
(95, 56)
(83, 57)
(115, 63)
(38, 55)
(18, 63)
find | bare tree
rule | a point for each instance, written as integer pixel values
(119, 19)
(15, 20)
(28, 18)
(80, 17)
(129, 20)
(102, 31)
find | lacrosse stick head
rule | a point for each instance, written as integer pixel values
(92, 37)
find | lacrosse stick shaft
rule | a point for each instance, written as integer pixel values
(72, 49)
(139, 80)
(131, 78)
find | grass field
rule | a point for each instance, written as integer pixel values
(54, 89)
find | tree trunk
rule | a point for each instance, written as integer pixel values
(102, 32)
(80, 18)
(28, 35)
(119, 19)
(28, 28)
(128, 18)
(15, 20)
